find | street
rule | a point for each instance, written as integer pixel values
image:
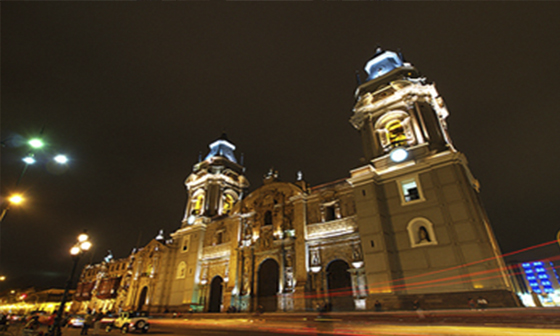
(258, 326)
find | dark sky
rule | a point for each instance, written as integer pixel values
(133, 93)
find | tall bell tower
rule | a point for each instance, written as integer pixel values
(216, 183)
(419, 214)
(399, 116)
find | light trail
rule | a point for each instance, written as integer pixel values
(356, 329)
(394, 286)
(468, 264)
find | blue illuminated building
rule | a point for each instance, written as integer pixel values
(540, 281)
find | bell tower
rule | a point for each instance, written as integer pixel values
(418, 210)
(216, 183)
(400, 116)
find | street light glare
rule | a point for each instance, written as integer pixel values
(16, 199)
(85, 246)
(83, 237)
(62, 159)
(75, 250)
(36, 143)
(29, 160)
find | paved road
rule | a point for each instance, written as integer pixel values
(245, 326)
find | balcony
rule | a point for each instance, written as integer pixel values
(216, 251)
(332, 228)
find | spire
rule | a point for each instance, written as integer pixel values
(222, 147)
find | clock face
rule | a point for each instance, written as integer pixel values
(398, 155)
(191, 219)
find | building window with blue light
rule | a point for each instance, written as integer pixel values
(410, 190)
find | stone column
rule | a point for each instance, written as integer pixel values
(300, 251)
(359, 290)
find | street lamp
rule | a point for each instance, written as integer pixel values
(82, 245)
(60, 158)
(35, 147)
(36, 143)
(16, 199)
(31, 158)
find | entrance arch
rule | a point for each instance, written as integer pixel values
(215, 304)
(142, 298)
(339, 284)
(267, 287)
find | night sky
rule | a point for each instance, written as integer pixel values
(133, 92)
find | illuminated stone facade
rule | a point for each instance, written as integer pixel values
(406, 226)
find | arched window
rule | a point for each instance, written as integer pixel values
(197, 203)
(423, 235)
(227, 201)
(394, 129)
(421, 232)
(395, 133)
(268, 218)
(181, 270)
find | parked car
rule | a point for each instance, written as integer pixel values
(14, 318)
(129, 322)
(76, 321)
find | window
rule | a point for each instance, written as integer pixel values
(410, 190)
(330, 213)
(228, 201)
(395, 129)
(186, 243)
(423, 235)
(181, 270)
(395, 133)
(421, 232)
(197, 203)
(219, 239)
(268, 218)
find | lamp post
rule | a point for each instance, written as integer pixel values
(82, 245)
(34, 152)
(35, 145)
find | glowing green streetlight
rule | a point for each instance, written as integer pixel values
(36, 143)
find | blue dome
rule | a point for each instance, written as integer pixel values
(382, 63)
(222, 147)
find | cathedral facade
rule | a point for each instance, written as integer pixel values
(405, 227)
